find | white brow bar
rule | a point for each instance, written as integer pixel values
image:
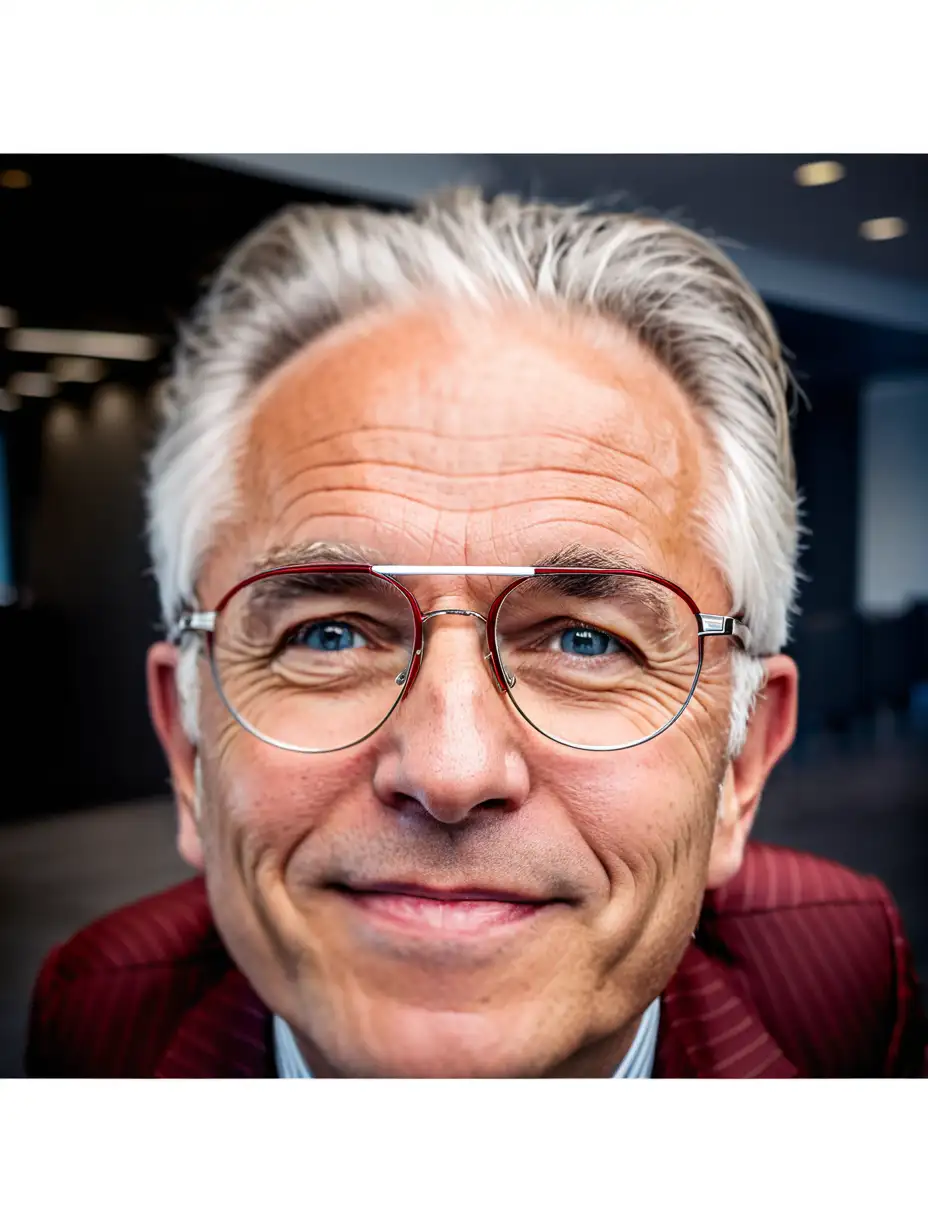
(458, 570)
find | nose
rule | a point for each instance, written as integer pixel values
(451, 748)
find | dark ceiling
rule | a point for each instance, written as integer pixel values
(125, 242)
(754, 199)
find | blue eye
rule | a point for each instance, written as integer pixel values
(328, 636)
(587, 642)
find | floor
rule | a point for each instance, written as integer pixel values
(56, 875)
(868, 809)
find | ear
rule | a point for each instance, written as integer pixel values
(770, 733)
(164, 705)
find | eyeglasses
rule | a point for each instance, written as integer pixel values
(315, 658)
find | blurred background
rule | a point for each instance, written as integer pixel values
(100, 257)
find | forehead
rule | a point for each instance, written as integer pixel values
(444, 434)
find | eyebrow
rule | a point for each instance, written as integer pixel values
(576, 556)
(314, 552)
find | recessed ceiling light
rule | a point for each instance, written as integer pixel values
(78, 368)
(7, 318)
(811, 175)
(82, 342)
(14, 178)
(63, 423)
(883, 228)
(33, 384)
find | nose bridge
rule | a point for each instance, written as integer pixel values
(482, 623)
(451, 749)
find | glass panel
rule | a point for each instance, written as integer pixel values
(314, 661)
(599, 660)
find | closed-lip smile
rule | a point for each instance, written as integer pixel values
(465, 911)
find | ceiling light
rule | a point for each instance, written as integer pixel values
(14, 178)
(62, 424)
(77, 368)
(113, 406)
(8, 401)
(883, 228)
(82, 342)
(32, 384)
(812, 175)
(7, 318)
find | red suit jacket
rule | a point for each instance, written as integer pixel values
(799, 969)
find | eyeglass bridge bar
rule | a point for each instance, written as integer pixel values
(455, 570)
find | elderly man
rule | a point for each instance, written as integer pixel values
(475, 532)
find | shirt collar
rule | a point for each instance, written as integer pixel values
(638, 1062)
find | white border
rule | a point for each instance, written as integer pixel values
(465, 75)
(461, 1155)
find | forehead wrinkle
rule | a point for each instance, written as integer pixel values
(449, 482)
(471, 507)
(378, 476)
(497, 464)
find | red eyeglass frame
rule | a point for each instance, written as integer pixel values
(707, 625)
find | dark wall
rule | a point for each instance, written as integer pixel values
(90, 611)
(826, 442)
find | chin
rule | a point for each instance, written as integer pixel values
(411, 1042)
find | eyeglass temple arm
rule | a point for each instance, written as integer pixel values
(191, 622)
(723, 626)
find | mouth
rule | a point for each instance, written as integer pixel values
(461, 911)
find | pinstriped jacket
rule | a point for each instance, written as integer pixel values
(799, 968)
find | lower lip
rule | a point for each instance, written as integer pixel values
(448, 917)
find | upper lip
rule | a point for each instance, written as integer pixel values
(451, 894)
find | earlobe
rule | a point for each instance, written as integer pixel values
(164, 705)
(770, 733)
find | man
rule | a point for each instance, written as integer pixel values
(475, 533)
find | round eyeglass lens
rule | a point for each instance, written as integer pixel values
(600, 661)
(313, 661)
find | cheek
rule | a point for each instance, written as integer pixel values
(266, 801)
(645, 813)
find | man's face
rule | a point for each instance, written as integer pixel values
(444, 437)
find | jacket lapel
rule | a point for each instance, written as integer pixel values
(710, 1028)
(227, 1034)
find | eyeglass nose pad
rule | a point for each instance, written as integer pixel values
(404, 674)
(510, 679)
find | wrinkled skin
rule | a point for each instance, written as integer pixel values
(440, 436)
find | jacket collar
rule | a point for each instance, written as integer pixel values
(227, 1034)
(710, 1028)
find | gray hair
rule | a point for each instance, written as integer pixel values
(312, 267)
